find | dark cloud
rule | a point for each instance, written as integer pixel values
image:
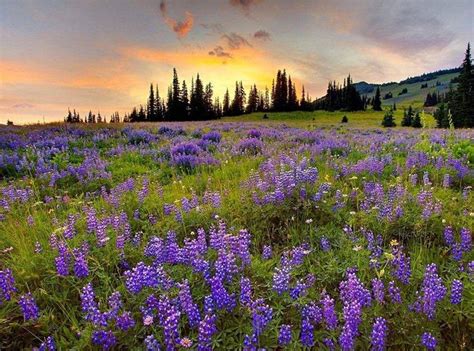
(213, 27)
(180, 28)
(262, 35)
(23, 105)
(244, 5)
(219, 51)
(408, 28)
(235, 41)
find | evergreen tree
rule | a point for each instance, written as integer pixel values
(377, 104)
(184, 101)
(388, 120)
(416, 123)
(151, 106)
(407, 120)
(197, 104)
(226, 104)
(68, 118)
(461, 101)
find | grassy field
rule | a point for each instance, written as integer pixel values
(316, 119)
(219, 235)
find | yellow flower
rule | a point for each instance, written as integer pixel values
(393, 242)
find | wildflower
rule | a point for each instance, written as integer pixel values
(187, 304)
(29, 308)
(378, 290)
(245, 291)
(379, 334)
(103, 338)
(428, 341)
(207, 328)
(125, 321)
(329, 312)
(7, 285)
(152, 344)
(394, 292)
(456, 292)
(284, 336)
(48, 344)
(325, 244)
(267, 252)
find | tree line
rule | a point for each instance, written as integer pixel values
(457, 109)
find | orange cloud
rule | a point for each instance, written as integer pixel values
(180, 28)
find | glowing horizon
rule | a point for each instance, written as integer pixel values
(102, 56)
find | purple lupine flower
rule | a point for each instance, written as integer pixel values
(267, 252)
(433, 291)
(449, 235)
(446, 181)
(456, 252)
(428, 341)
(284, 336)
(70, 230)
(169, 317)
(281, 277)
(7, 285)
(151, 344)
(115, 304)
(245, 291)
(48, 345)
(187, 305)
(81, 269)
(225, 265)
(222, 299)
(62, 260)
(261, 315)
(329, 343)
(142, 276)
(301, 286)
(90, 308)
(379, 334)
(394, 292)
(125, 321)
(378, 290)
(307, 333)
(103, 338)
(38, 248)
(325, 244)
(401, 264)
(329, 312)
(466, 239)
(456, 292)
(29, 308)
(207, 328)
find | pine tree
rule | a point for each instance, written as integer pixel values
(388, 120)
(151, 106)
(377, 104)
(416, 123)
(184, 101)
(461, 101)
(407, 120)
(226, 104)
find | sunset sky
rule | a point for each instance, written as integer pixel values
(103, 54)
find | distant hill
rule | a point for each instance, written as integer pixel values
(416, 87)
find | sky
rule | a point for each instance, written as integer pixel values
(102, 55)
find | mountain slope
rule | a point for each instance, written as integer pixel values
(436, 82)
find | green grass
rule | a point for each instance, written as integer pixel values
(326, 119)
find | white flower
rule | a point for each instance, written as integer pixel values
(216, 216)
(443, 221)
(357, 248)
(309, 221)
(352, 213)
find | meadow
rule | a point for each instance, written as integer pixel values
(296, 232)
